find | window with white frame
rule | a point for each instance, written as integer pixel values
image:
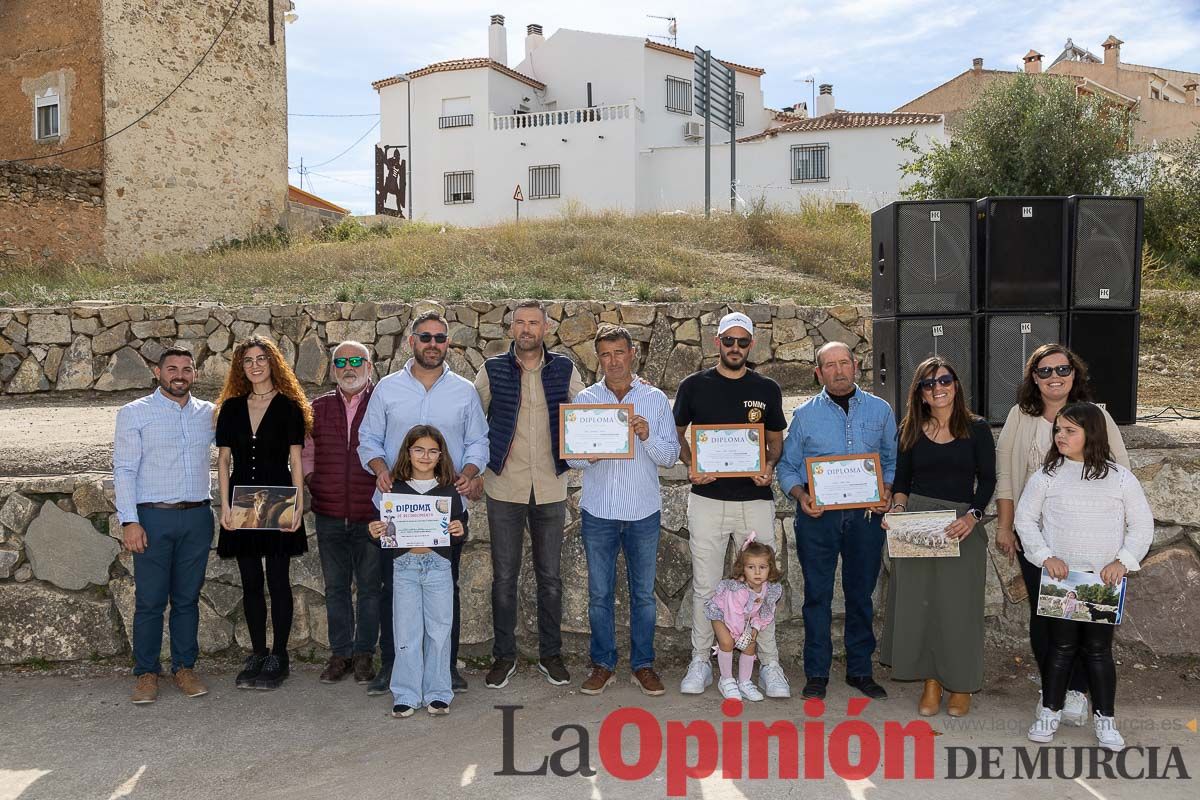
(460, 187)
(741, 108)
(46, 115)
(543, 182)
(679, 95)
(810, 162)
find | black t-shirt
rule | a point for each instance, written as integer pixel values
(960, 471)
(709, 398)
(843, 400)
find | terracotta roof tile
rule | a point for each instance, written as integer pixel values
(848, 119)
(457, 64)
(666, 48)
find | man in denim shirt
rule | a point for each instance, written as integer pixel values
(841, 420)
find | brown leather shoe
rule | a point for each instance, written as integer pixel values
(931, 699)
(598, 681)
(648, 681)
(959, 704)
(335, 669)
(189, 683)
(364, 668)
(145, 690)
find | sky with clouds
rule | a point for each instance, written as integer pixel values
(878, 54)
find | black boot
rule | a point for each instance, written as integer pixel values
(274, 670)
(250, 670)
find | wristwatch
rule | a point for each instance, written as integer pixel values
(976, 513)
(127, 524)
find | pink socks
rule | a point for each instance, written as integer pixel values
(725, 663)
(745, 667)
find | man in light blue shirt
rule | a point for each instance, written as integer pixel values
(841, 420)
(161, 458)
(425, 392)
(620, 506)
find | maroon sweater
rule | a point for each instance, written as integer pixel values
(340, 487)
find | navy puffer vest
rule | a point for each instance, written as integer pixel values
(504, 377)
(339, 485)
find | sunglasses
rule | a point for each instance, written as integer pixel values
(742, 342)
(354, 361)
(927, 384)
(1062, 371)
(426, 338)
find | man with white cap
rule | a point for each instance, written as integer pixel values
(729, 394)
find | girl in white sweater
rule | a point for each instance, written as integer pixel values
(1082, 511)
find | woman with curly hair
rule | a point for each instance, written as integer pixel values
(262, 419)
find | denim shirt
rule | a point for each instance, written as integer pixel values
(821, 428)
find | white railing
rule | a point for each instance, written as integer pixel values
(571, 116)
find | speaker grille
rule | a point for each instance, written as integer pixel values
(1108, 344)
(1105, 252)
(934, 259)
(952, 338)
(1025, 253)
(1010, 340)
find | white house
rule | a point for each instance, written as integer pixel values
(600, 122)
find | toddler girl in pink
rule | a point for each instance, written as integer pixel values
(742, 606)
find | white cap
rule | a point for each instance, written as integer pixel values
(735, 319)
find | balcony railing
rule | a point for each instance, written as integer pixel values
(573, 116)
(456, 121)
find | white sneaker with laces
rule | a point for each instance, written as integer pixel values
(773, 681)
(1045, 725)
(729, 689)
(698, 677)
(1107, 735)
(749, 691)
(1075, 709)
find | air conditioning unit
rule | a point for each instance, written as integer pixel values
(692, 130)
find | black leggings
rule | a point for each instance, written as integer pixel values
(254, 602)
(1092, 642)
(1039, 634)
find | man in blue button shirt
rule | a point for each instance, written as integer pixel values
(841, 420)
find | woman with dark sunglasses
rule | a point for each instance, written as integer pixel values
(947, 461)
(1054, 377)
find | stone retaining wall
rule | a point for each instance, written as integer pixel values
(66, 589)
(107, 347)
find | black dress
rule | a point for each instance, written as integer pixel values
(260, 459)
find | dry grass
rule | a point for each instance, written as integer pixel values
(819, 255)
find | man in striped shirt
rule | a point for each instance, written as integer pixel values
(621, 506)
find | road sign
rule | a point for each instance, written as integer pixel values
(517, 194)
(714, 88)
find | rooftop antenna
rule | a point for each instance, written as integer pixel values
(672, 34)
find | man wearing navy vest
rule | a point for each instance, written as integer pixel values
(526, 483)
(341, 498)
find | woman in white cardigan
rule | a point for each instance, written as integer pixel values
(1054, 376)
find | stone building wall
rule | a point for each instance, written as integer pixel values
(50, 212)
(210, 164)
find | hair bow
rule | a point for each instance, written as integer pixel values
(750, 538)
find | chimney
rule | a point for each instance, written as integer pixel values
(1112, 51)
(1033, 62)
(824, 100)
(1190, 89)
(497, 40)
(533, 39)
(977, 64)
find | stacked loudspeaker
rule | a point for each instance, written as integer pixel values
(984, 283)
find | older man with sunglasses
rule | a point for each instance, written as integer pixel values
(424, 392)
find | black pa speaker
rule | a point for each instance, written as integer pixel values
(1106, 252)
(1008, 341)
(924, 258)
(899, 344)
(1108, 343)
(1022, 253)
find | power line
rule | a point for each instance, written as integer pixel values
(348, 149)
(333, 115)
(339, 180)
(170, 94)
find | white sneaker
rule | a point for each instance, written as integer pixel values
(729, 689)
(773, 681)
(1107, 735)
(1075, 709)
(1045, 725)
(749, 691)
(698, 677)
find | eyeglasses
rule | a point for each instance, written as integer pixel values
(927, 384)
(354, 361)
(742, 342)
(426, 338)
(259, 360)
(421, 452)
(1062, 371)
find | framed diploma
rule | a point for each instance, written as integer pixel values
(728, 451)
(845, 481)
(257, 508)
(595, 430)
(415, 520)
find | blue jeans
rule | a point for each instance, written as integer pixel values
(859, 541)
(602, 539)
(422, 613)
(349, 554)
(171, 568)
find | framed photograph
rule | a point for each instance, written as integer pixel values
(415, 520)
(257, 508)
(1081, 597)
(854, 481)
(920, 534)
(729, 451)
(595, 430)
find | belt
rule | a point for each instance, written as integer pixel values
(176, 506)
